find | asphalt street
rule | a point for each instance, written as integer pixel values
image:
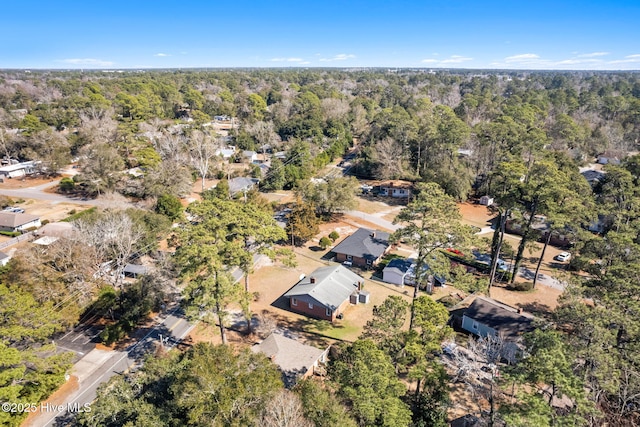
(96, 366)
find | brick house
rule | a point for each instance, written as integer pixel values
(325, 293)
(363, 248)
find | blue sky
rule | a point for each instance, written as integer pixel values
(583, 35)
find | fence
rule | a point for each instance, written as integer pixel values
(16, 240)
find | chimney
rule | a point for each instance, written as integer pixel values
(312, 279)
(519, 310)
(373, 234)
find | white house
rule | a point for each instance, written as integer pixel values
(11, 221)
(250, 156)
(17, 170)
(397, 189)
(226, 152)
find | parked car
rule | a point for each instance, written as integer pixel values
(563, 257)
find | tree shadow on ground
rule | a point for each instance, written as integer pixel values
(537, 309)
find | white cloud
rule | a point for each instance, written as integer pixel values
(339, 57)
(90, 62)
(287, 60)
(161, 54)
(453, 59)
(456, 59)
(305, 63)
(627, 59)
(593, 54)
(525, 57)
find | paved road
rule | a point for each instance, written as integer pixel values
(98, 366)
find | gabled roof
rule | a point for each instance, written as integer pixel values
(400, 265)
(330, 286)
(135, 269)
(500, 317)
(241, 183)
(364, 243)
(17, 166)
(13, 220)
(291, 356)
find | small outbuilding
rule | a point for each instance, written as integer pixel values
(133, 271)
(486, 200)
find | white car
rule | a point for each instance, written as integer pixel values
(563, 256)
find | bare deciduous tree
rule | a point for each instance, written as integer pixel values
(114, 236)
(389, 159)
(97, 126)
(284, 410)
(202, 151)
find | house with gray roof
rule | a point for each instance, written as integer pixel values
(363, 248)
(294, 359)
(486, 316)
(242, 184)
(325, 293)
(11, 221)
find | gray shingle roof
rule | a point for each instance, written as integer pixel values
(332, 285)
(292, 357)
(364, 243)
(501, 317)
(13, 220)
(241, 183)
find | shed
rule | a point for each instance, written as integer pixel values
(134, 270)
(486, 200)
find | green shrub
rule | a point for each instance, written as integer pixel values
(73, 215)
(169, 206)
(11, 233)
(334, 235)
(67, 185)
(522, 286)
(325, 242)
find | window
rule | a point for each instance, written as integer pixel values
(311, 305)
(294, 301)
(349, 257)
(369, 262)
(328, 312)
